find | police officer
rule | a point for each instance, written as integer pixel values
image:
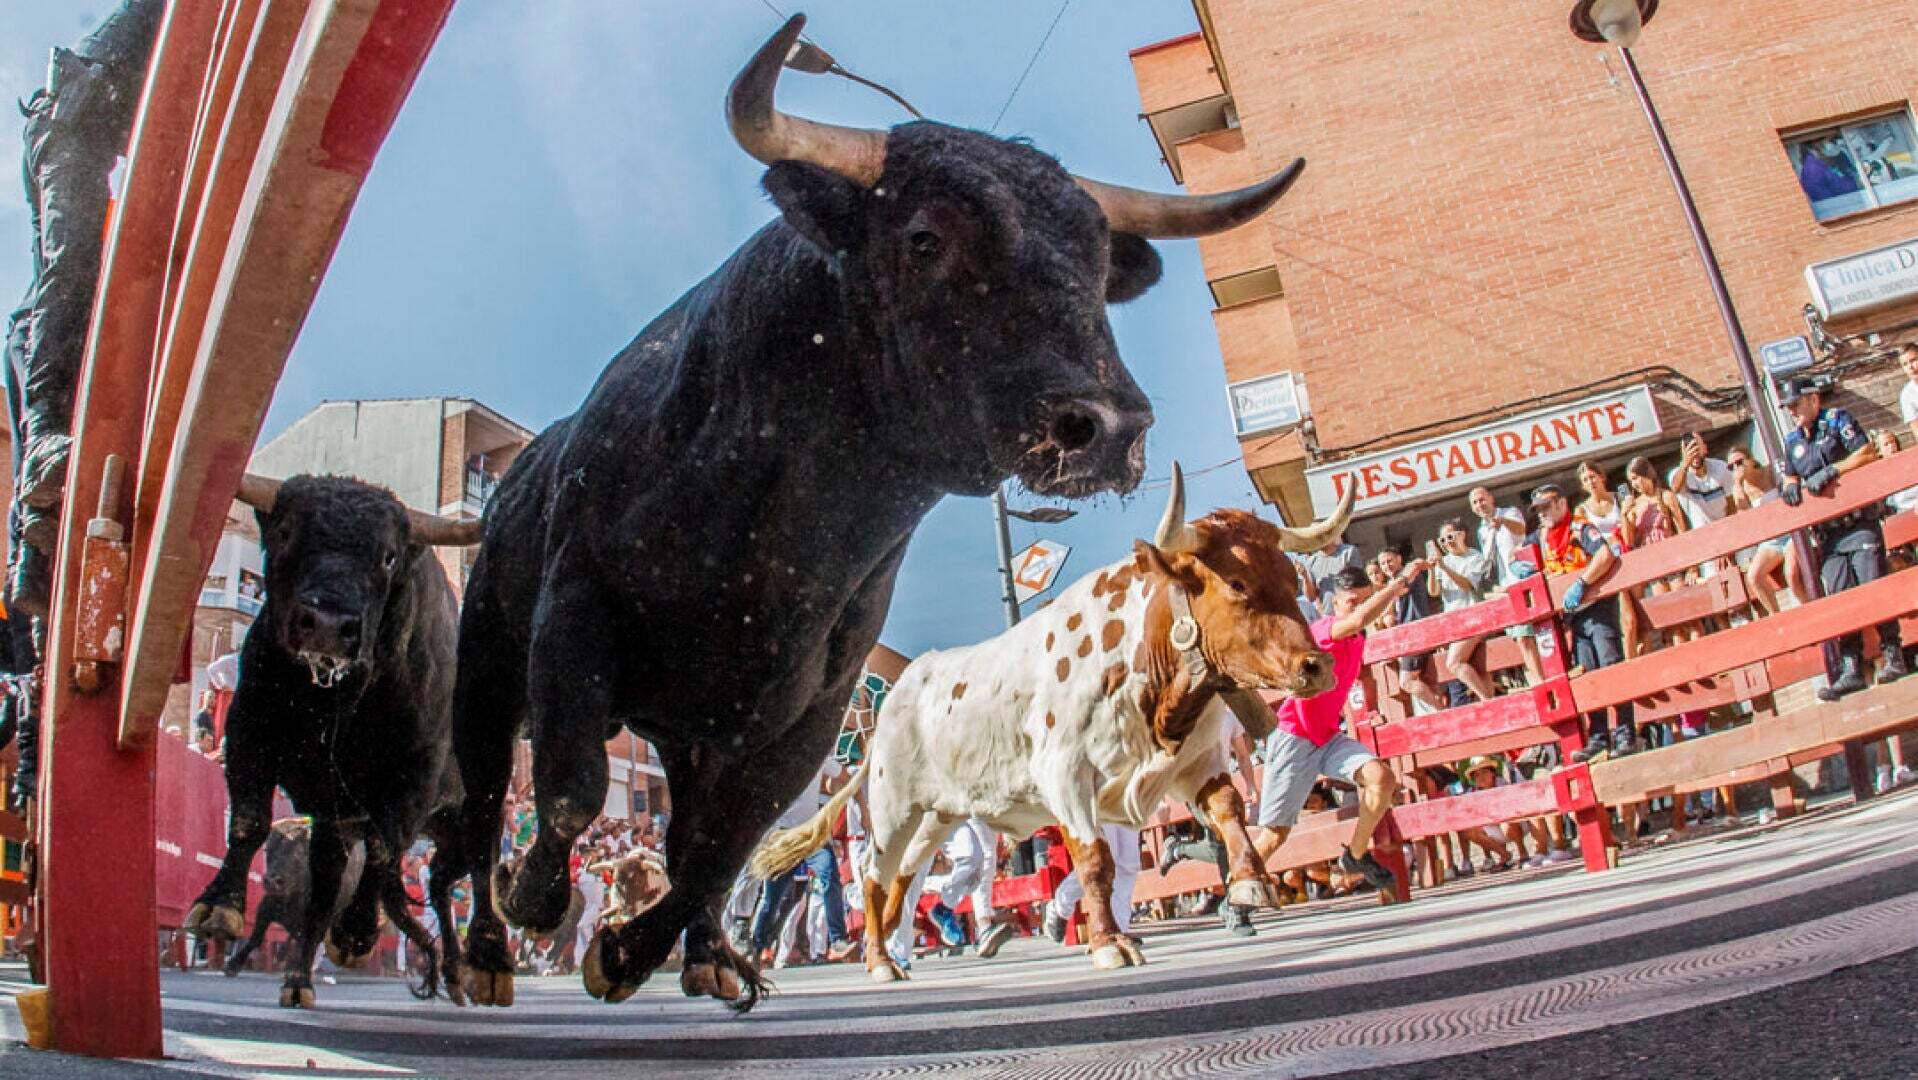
(1851, 549)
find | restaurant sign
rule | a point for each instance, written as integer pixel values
(1868, 280)
(1465, 459)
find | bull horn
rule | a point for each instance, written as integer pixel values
(1173, 533)
(1153, 215)
(858, 154)
(1322, 532)
(259, 492)
(435, 531)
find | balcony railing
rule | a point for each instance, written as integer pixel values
(479, 488)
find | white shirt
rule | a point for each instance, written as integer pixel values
(810, 799)
(1501, 543)
(1908, 408)
(1705, 498)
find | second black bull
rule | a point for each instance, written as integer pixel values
(705, 551)
(346, 683)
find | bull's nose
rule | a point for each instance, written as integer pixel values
(1315, 671)
(325, 631)
(1099, 424)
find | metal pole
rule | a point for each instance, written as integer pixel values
(1006, 591)
(1755, 396)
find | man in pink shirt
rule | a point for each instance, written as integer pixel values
(1309, 740)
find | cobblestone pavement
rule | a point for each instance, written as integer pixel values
(1759, 952)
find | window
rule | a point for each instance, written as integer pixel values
(1862, 165)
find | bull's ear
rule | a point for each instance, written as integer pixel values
(1176, 569)
(1134, 268)
(820, 204)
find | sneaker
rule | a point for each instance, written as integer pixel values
(1368, 867)
(1903, 775)
(901, 957)
(1171, 855)
(1881, 780)
(1538, 860)
(996, 935)
(1559, 855)
(951, 930)
(1464, 871)
(839, 951)
(1495, 866)
(1238, 920)
(1624, 741)
(1595, 749)
(1055, 925)
(1895, 667)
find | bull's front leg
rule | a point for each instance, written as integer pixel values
(1109, 946)
(1246, 884)
(220, 910)
(326, 866)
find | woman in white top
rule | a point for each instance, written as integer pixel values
(1606, 514)
(1752, 487)
(1459, 578)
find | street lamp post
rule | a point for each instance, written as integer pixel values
(1618, 22)
(1007, 594)
(1043, 515)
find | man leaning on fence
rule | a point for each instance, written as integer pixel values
(1826, 443)
(1571, 545)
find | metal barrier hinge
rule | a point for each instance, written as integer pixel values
(99, 631)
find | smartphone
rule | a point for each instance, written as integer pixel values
(1431, 549)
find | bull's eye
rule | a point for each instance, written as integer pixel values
(1237, 587)
(389, 560)
(925, 244)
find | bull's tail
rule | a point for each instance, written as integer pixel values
(784, 848)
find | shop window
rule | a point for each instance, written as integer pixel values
(1857, 166)
(1236, 289)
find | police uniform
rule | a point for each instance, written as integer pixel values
(1851, 549)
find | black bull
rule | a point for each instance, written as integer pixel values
(705, 551)
(346, 682)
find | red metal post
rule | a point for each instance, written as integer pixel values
(95, 807)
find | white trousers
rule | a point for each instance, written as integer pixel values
(1124, 845)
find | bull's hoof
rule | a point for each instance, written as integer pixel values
(215, 920)
(296, 997)
(887, 972)
(713, 980)
(1109, 957)
(453, 978)
(1251, 893)
(1134, 954)
(488, 987)
(592, 972)
(230, 969)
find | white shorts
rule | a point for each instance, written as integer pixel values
(1293, 765)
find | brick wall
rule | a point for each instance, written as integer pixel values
(1484, 216)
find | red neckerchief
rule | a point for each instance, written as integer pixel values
(1561, 554)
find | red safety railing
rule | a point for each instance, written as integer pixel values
(1745, 664)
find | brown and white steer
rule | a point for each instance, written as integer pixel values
(1088, 713)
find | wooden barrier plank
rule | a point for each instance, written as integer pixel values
(95, 882)
(1760, 639)
(244, 83)
(1871, 712)
(1902, 529)
(351, 69)
(1734, 533)
(1721, 593)
(1542, 705)
(1475, 809)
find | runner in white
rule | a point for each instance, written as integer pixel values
(1124, 844)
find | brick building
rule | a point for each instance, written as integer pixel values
(1485, 231)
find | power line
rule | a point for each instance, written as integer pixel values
(1029, 63)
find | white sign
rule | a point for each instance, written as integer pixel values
(1480, 455)
(1265, 403)
(1864, 281)
(1786, 356)
(1035, 568)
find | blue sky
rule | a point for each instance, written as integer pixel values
(562, 172)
